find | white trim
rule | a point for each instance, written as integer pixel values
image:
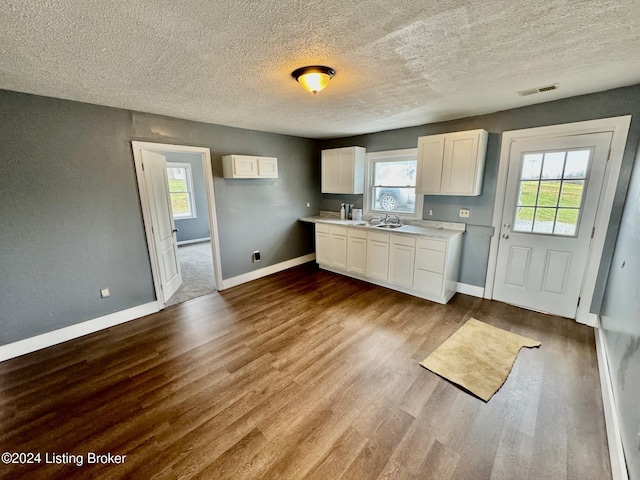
(616, 452)
(620, 128)
(472, 290)
(195, 240)
(263, 272)
(28, 345)
(146, 216)
(366, 199)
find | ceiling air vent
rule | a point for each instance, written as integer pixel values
(531, 91)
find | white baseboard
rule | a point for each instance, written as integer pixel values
(472, 290)
(616, 452)
(195, 240)
(28, 345)
(263, 272)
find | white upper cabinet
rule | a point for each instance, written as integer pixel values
(246, 166)
(343, 170)
(452, 163)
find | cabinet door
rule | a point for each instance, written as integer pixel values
(429, 169)
(401, 264)
(459, 168)
(357, 255)
(322, 248)
(330, 171)
(267, 167)
(244, 166)
(377, 259)
(338, 250)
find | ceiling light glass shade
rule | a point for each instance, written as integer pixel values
(314, 78)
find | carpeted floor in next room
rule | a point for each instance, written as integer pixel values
(196, 265)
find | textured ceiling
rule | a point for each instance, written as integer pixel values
(398, 63)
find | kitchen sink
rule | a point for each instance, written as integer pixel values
(389, 225)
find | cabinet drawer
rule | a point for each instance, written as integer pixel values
(428, 282)
(322, 227)
(379, 237)
(357, 233)
(402, 240)
(432, 244)
(338, 230)
(430, 260)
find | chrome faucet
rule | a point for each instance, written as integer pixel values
(387, 218)
(376, 219)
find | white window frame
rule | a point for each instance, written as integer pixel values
(190, 192)
(386, 156)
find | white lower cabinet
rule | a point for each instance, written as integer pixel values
(338, 247)
(323, 256)
(378, 255)
(426, 267)
(402, 254)
(357, 251)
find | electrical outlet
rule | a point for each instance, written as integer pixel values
(464, 213)
(104, 293)
(308, 205)
(255, 257)
(430, 212)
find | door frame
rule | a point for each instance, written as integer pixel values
(205, 154)
(619, 126)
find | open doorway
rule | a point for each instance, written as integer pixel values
(185, 183)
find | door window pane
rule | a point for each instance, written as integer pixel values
(577, 163)
(544, 220)
(524, 219)
(531, 166)
(553, 165)
(571, 195)
(567, 222)
(528, 193)
(550, 192)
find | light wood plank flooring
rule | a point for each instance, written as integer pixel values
(305, 375)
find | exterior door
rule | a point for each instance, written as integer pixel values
(553, 188)
(163, 228)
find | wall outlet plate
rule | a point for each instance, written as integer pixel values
(464, 213)
(255, 257)
(104, 293)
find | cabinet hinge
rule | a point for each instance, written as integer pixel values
(609, 155)
(593, 232)
(578, 301)
(142, 166)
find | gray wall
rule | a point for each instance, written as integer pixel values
(621, 324)
(475, 247)
(193, 228)
(71, 218)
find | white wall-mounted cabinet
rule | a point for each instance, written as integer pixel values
(452, 163)
(343, 170)
(422, 266)
(246, 166)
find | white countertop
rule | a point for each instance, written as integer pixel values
(439, 229)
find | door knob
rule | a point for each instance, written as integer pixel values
(175, 230)
(505, 236)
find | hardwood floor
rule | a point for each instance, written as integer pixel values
(305, 375)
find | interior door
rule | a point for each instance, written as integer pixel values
(552, 194)
(163, 227)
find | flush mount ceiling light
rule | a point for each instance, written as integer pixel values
(313, 78)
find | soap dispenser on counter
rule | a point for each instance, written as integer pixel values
(342, 212)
